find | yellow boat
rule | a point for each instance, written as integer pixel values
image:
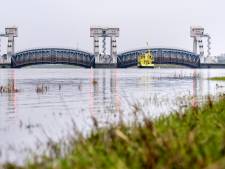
(146, 60)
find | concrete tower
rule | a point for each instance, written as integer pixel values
(10, 33)
(197, 33)
(104, 32)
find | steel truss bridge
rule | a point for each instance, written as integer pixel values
(161, 56)
(85, 59)
(53, 56)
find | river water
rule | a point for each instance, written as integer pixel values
(51, 101)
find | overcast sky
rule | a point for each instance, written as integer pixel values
(66, 23)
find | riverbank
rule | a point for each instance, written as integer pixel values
(194, 139)
(217, 78)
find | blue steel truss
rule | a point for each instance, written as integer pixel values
(161, 56)
(85, 59)
(53, 56)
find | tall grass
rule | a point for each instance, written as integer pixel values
(192, 139)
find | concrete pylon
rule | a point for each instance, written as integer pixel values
(114, 49)
(105, 32)
(11, 33)
(197, 33)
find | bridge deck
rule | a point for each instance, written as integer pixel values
(212, 66)
(5, 65)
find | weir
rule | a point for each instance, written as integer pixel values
(100, 59)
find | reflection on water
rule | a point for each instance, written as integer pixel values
(32, 116)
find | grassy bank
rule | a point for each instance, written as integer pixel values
(217, 78)
(194, 139)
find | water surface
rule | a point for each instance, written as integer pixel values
(30, 117)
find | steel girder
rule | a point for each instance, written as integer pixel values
(53, 56)
(161, 56)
